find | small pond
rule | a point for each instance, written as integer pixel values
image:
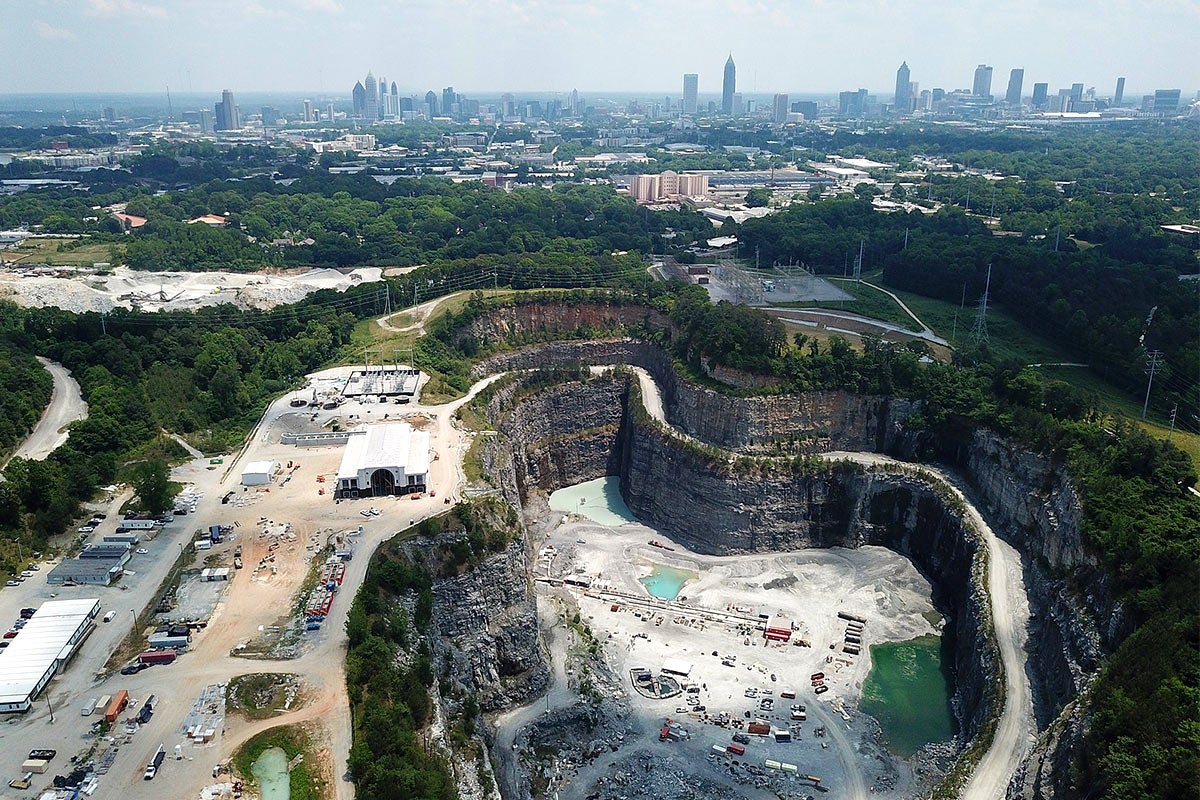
(665, 582)
(908, 691)
(599, 500)
(270, 770)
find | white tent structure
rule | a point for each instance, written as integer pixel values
(257, 473)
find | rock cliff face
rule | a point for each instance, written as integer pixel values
(486, 624)
(812, 422)
(717, 507)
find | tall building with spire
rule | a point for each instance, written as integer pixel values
(371, 109)
(903, 90)
(358, 97)
(691, 84)
(728, 87)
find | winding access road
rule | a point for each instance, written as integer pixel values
(66, 406)
(1016, 729)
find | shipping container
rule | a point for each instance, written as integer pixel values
(158, 657)
(718, 749)
(788, 694)
(163, 641)
(38, 765)
(88, 707)
(736, 749)
(103, 702)
(116, 706)
(758, 728)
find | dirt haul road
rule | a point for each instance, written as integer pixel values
(66, 406)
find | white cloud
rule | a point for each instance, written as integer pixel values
(45, 30)
(113, 8)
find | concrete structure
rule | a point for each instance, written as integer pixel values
(691, 84)
(257, 473)
(728, 87)
(1119, 96)
(1166, 101)
(1041, 95)
(779, 108)
(668, 184)
(384, 459)
(42, 648)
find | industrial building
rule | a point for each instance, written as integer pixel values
(43, 647)
(384, 459)
(97, 564)
(779, 629)
(384, 380)
(257, 473)
(677, 666)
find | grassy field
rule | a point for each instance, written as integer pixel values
(60, 252)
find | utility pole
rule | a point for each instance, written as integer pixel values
(50, 708)
(1153, 362)
(906, 238)
(980, 332)
(858, 262)
(104, 324)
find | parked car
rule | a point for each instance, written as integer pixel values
(741, 738)
(12, 583)
(141, 551)
(10, 634)
(26, 573)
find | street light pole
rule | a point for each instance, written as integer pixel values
(50, 707)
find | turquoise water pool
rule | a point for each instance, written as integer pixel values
(908, 692)
(270, 770)
(665, 582)
(599, 500)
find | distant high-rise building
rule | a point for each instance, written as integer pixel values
(806, 107)
(691, 85)
(226, 113)
(1076, 92)
(739, 105)
(359, 97)
(1166, 101)
(371, 107)
(852, 104)
(1120, 93)
(310, 112)
(1064, 100)
(1041, 93)
(1015, 79)
(576, 106)
(270, 116)
(779, 109)
(431, 104)
(937, 95)
(903, 90)
(925, 100)
(728, 87)
(109, 114)
(982, 87)
(449, 98)
(206, 121)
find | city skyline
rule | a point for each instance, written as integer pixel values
(53, 46)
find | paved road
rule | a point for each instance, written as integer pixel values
(66, 406)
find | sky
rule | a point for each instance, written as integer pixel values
(488, 46)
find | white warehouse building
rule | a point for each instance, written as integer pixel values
(384, 459)
(44, 646)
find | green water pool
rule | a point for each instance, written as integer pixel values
(665, 582)
(908, 692)
(599, 500)
(270, 770)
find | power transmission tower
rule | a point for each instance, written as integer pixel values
(1153, 362)
(1171, 433)
(858, 262)
(979, 334)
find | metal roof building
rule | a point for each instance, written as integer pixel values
(41, 649)
(257, 473)
(384, 459)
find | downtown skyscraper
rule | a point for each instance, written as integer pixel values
(1015, 80)
(728, 87)
(226, 113)
(982, 86)
(903, 100)
(691, 85)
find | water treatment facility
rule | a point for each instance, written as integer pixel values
(384, 459)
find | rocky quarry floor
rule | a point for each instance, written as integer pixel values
(594, 737)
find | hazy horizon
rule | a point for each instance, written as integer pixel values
(80, 47)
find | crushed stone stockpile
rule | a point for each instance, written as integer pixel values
(81, 291)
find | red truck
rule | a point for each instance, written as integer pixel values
(736, 749)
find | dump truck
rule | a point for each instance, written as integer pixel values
(158, 657)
